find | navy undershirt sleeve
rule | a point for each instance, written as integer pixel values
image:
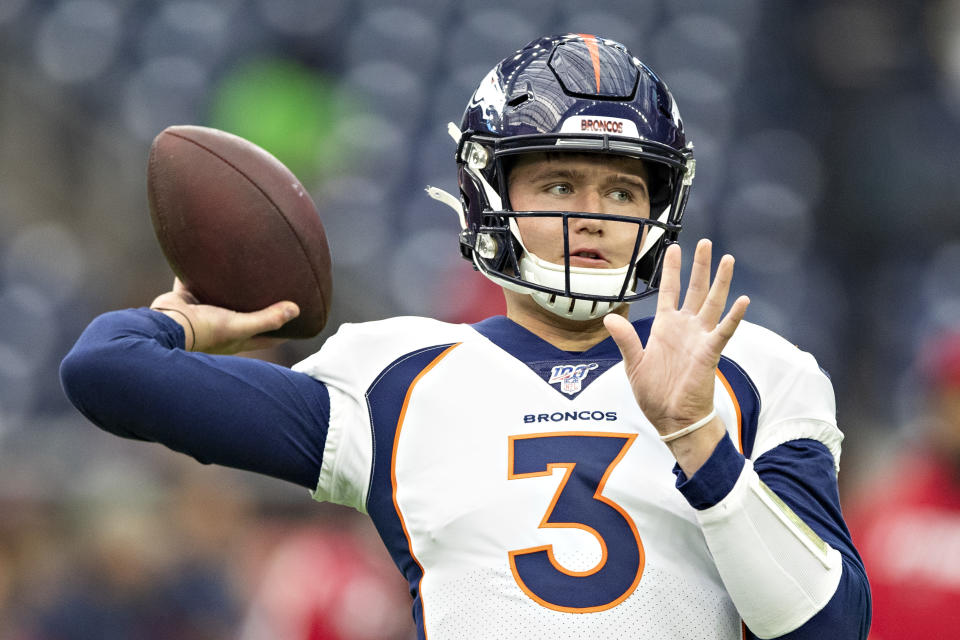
(803, 475)
(130, 375)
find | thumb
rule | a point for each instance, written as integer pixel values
(266, 319)
(623, 333)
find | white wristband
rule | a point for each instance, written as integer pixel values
(696, 425)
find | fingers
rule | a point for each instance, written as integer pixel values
(725, 330)
(733, 318)
(716, 299)
(268, 319)
(670, 280)
(704, 298)
(623, 333)
(263, 321)
(224, 331)
(699, 277)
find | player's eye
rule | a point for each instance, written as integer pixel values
(560, 189)
(621, 195)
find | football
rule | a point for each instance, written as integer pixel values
(237, 227)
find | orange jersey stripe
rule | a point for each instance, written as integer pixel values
(736, 406)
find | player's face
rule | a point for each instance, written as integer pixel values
(580, 182)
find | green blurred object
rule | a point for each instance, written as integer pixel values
(285, 107)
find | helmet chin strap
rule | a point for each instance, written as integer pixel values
(582, 279)
(586, 280)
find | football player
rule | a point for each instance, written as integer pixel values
(559, 472)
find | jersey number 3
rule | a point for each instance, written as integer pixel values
(589, 458)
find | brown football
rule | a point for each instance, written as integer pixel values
(237, 227)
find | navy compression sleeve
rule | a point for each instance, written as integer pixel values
(802, 474)
(129, 374)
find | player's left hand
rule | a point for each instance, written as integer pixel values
(673, 375)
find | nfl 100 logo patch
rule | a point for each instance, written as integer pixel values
(570, 376)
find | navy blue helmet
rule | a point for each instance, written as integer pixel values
(569, 93)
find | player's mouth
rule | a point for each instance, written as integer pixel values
(588, 258)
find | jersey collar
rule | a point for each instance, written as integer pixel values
(543, 358)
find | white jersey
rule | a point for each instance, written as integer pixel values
(521, 490)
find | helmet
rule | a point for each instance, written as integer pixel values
(570, 93)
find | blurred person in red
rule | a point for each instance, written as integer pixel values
(359, 598)
(907, 524)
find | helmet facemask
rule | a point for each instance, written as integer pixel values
(497, 248)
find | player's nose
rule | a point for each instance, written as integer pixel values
(588, 202)
(586, 225)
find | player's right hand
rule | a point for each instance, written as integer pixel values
(673, 375)
(217, 330)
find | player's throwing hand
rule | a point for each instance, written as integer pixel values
(672, 376)
(218, 330)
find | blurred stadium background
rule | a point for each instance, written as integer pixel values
(826, 133)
